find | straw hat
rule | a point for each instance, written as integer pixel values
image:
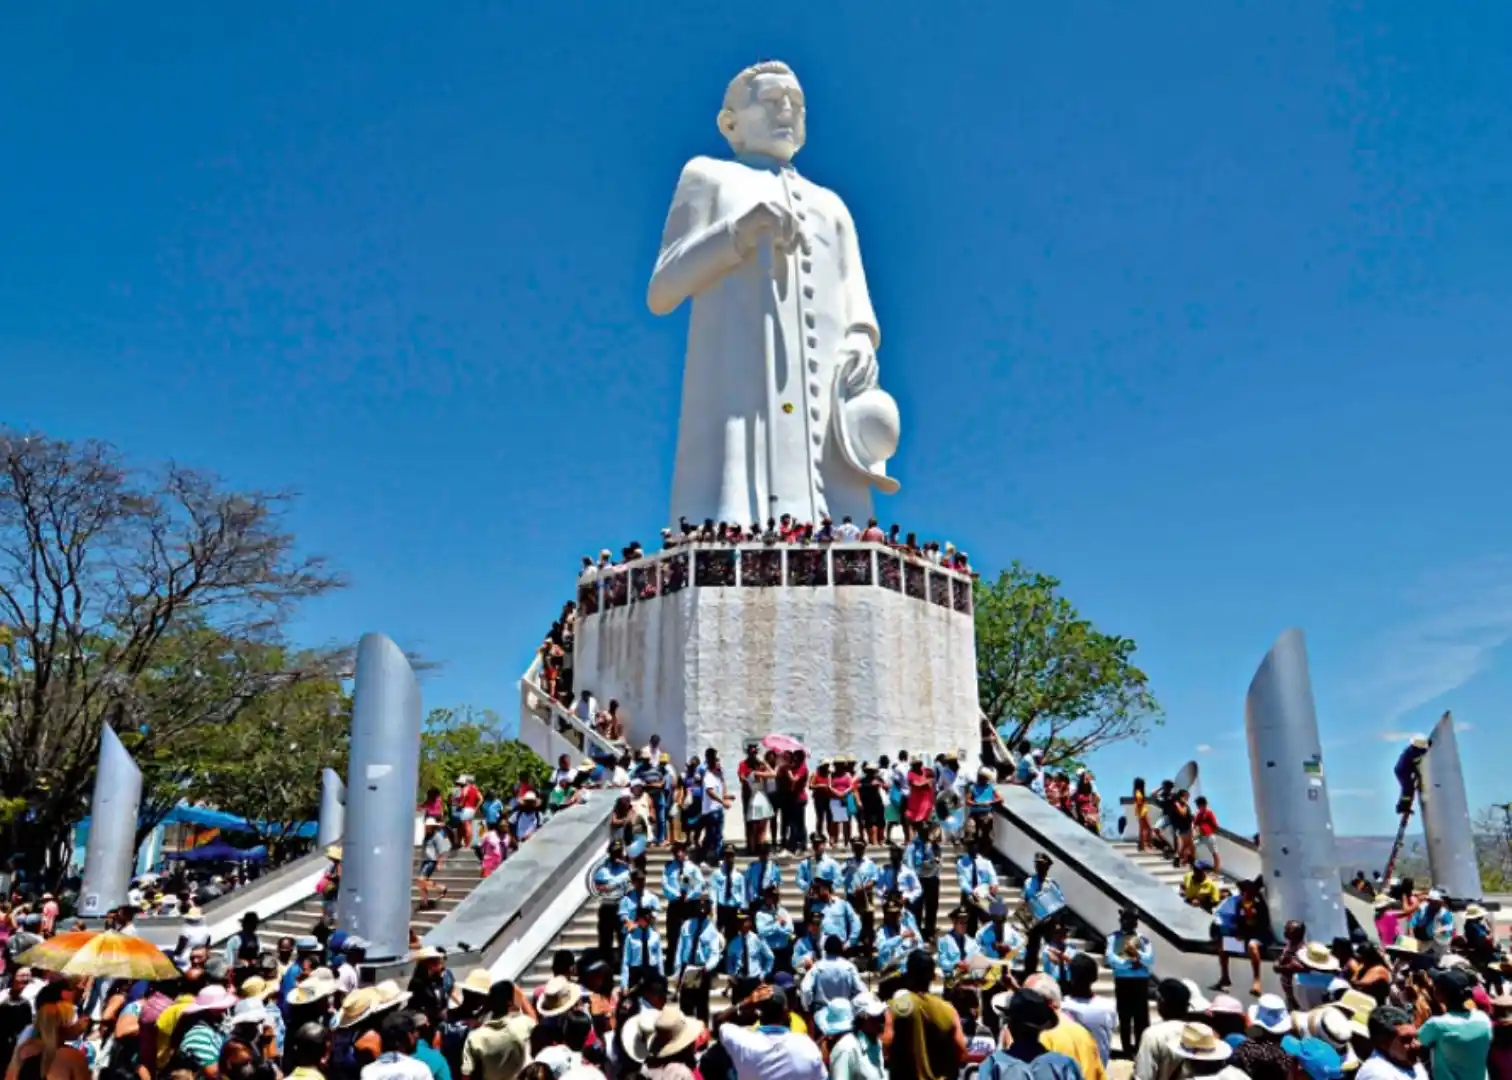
(1405, 945)
(1201, 1043)
(247, 1011)
(1356, 1008)
(333, 851)
(477, 981)
(560, 995)
(671, 1032)
(1318, 957)
(258, 987)
(357, 1007)
(1473, 912)
(388, 995)
(429, 952)
(1383, 902)
(313, 989)
(1420, 741)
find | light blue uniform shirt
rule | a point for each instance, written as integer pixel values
(901, 882)
(643, 948)
(855, 875)
(950, 951)
(728, 890)
(748, 957)
(612, 880)
(1122, 966)
(974, 871)
(999, 946)
(757, 879)
(685, 882)
(632, 902)
(828, 869)
(841, 920)
(699, 944)
(1060, 972)
(775, 927)
(807, 951)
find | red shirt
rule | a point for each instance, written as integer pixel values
(799, 781)
(471, 797)
(1206, 821)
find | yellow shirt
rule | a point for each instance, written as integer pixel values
(1076, 1042)
(168, 1020)
(1205, 893)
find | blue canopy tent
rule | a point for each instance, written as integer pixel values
(219, 851)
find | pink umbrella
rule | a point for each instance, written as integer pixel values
(783, 744)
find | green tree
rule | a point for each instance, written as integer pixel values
(468, 740)
(1046, 674)
(265, 764)
(126, 598)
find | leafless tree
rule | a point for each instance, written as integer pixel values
(124, 597)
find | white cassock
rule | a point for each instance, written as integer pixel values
(726, 469)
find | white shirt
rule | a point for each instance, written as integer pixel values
(585, 709)
(346, 978)
(1097, 1016)
(848, 1059)
(848, 532)
(713, 793)
(758, 1055)
(1157, 1058)
(1377, 1067)
(392, 1066)
(559, 1059)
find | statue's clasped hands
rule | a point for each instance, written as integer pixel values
(769, 219)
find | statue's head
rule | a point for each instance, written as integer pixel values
(763, 111)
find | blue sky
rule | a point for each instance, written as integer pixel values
(1201, 307)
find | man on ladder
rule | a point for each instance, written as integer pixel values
(1407, 771)
(1410, 783)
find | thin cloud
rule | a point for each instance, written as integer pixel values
(1458, 619)
(1396, 736)
(1204, 748)
(1353, 792)
(1461, 725)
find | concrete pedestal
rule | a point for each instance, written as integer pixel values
(851, 649)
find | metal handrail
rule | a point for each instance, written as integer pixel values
(565, 721)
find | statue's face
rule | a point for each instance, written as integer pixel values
(771, 122)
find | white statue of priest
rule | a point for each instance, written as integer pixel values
(781, 412)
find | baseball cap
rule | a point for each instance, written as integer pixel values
(1317, 1059)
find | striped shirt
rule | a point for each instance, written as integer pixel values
(201, 1044)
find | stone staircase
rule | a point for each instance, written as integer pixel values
(458, 872)
(581, 931)
(1159, 866)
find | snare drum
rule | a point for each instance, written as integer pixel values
(1045, 904)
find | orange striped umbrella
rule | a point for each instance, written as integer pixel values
(100, 954)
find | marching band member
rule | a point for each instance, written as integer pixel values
(810, 947)
(897, 936)
(836, 916)
(979, 884)
(763, 873)
(728, 887)
(700, 948)
(611, 881)
(898, 880)
(1131, 958)
(775, 926)
(1056, 961)
(925, 858)
(858, 880)
(643, 950)
(748, 961)
(636, 900)
(999, 940)
(957, 947)
(682, 888)
(818, 866)
(1039, 882)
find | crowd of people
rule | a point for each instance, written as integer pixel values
(780, 797)
(783, 530)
